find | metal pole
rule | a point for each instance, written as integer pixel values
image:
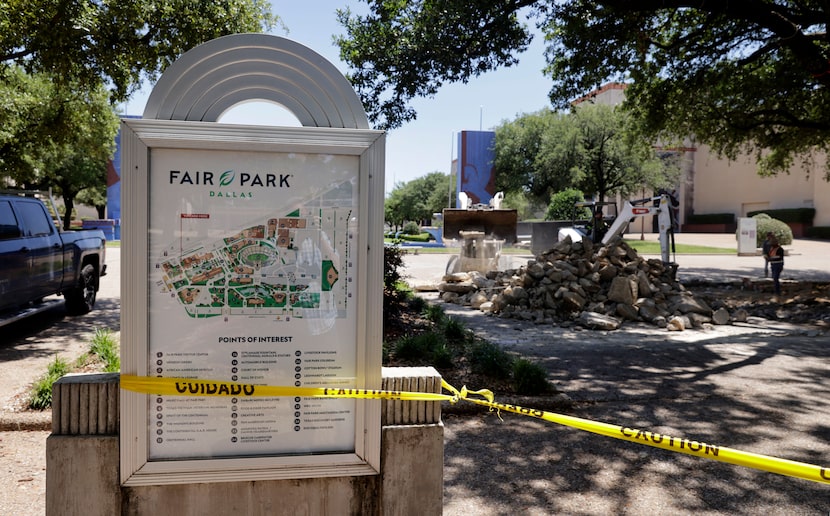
(480, 117)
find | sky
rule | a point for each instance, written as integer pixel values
(429, 143)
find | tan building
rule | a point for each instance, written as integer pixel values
(710, 184)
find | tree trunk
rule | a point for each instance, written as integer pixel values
(69, 203)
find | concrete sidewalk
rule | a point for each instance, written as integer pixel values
(807, 260)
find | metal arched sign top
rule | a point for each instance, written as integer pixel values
(215, 76)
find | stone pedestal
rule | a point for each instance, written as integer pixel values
(82, 457)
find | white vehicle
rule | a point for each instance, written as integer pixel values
(661, 206)
(600, 216)
(604, 227)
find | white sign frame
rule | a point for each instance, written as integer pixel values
(139, 138)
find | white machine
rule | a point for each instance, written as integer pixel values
(605, 228)
(661, 206)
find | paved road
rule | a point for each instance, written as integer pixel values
(806, 260)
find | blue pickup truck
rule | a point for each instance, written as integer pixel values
(38, 260)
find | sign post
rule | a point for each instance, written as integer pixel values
(254, 257)
(747, 234)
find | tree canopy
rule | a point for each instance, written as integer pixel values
(117, 42)
(591, 149)
(745, 75)
(417, 200)
(63, 65)
(54, 135)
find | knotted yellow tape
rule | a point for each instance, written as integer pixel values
(484, 397)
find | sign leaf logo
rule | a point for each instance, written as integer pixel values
(226, 178)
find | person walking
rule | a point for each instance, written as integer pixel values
(775, 257)
(765, 252)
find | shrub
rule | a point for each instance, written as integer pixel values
(442, 358)
(489, 359)
(418, 304)
(409, 347)
(822, 232)
(418, 237)
(454, 332)
(411, 228)
(561, 206)
(420, 348)
(393, 294)
(105, 347)
(766, 224)
(392, 262)
(711, 218)
(434, 314)
(799, 215)
(41, 396)
(528, 378)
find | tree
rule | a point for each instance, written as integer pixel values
(95, 196)
(534, 155)
(518, 201)
(409, 49)
(746, 75)
(395, 210)
(609, 157)
(591, 149)
(56, 135)
(561, 206)
(120, 43)
(416, 200)
(56, 127)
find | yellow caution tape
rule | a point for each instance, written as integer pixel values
(677, 444)
(191, 387)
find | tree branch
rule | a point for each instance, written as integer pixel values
(15, 55)
(786, 25)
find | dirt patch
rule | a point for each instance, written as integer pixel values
(802, 303)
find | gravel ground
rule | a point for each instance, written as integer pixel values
(26, 348)
(35, 343)
(23, 474)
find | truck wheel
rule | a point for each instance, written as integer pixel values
(81, 299)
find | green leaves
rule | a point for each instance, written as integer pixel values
(403, 50)
(741, 76)
(592, 149)
(418, 199)
(117, 42)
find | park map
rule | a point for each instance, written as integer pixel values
(282, 267)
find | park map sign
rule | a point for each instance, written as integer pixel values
(255, 264)
(253, 281)
(251, 256)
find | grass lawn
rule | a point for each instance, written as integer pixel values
(652, 247)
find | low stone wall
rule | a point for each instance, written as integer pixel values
(83, 455)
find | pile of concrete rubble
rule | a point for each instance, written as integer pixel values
(578, 283)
